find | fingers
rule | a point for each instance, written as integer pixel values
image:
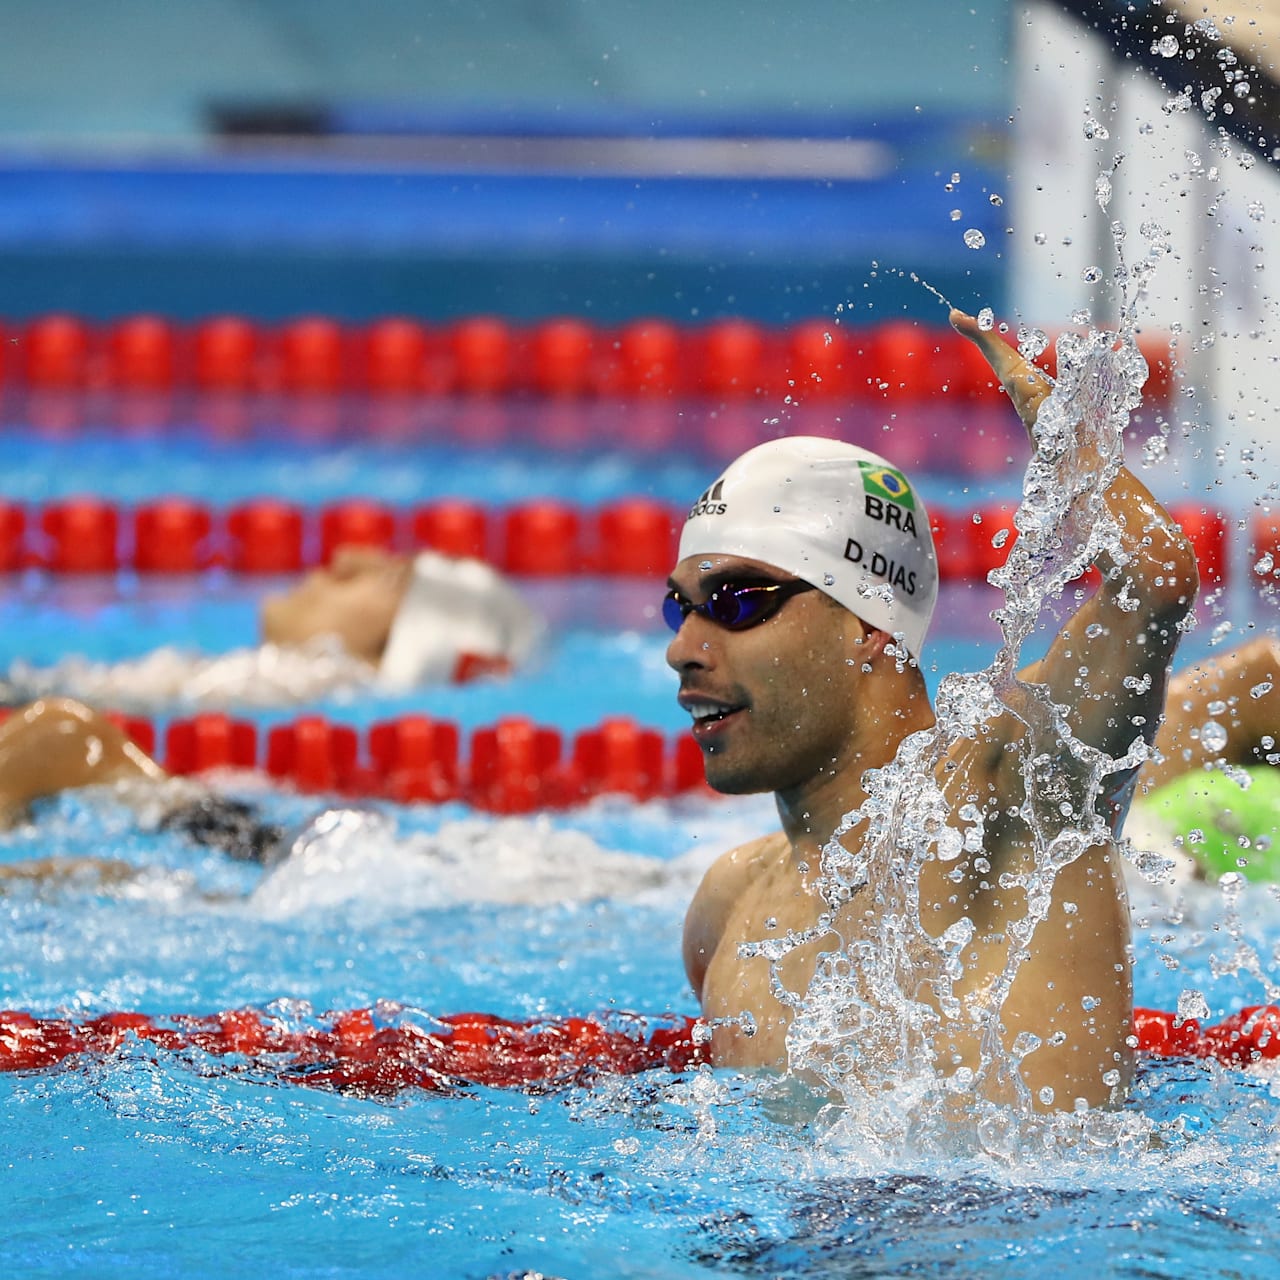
(1028, 387)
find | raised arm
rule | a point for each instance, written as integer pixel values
(1109, 665)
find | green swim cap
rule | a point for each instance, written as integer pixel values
(1218, 807)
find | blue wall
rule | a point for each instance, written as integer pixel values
(117, 195)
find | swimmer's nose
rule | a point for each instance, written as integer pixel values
(691, 647)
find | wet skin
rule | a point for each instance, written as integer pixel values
(354, 599)
(805, 703)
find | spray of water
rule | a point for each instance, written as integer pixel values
(868, 1025)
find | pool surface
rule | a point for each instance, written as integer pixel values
(151, 1162)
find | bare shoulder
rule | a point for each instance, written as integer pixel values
(722, 885)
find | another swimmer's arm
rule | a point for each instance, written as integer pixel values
(58, 871)
(1109, 664)
(1246, 681)
(58, 743)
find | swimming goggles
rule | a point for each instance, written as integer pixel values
(735, 606)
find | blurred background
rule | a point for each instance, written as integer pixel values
(752, 213)
(597, 157)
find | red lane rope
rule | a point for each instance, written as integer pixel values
(635, 536)
(485, 356)
(513, 766)
(354, 1052)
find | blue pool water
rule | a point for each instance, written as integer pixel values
(151, 1164)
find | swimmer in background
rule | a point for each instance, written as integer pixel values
(793, 663)
(1210, 796)
(370, 619)
(419, 620)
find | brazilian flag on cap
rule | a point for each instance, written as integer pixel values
(885, 482)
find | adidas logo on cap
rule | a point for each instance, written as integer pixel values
(710, 504)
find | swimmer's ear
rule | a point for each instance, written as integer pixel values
(878, 642)
(865, 641)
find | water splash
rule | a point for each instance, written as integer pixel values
(260, 676)
(868, 1025)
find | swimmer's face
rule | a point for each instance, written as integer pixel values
(773, 706)
(355, 599)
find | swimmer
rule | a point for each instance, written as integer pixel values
(426, 619)
(59, 744)
(371, 618)
(419, 620)
(1210, 796)
(790, 657)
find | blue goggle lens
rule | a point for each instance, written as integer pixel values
(735, 606)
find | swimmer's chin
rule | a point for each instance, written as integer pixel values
(729, 780)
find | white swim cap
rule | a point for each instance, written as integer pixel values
(455, 613)
(830, 513)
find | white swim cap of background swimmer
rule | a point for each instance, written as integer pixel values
(457, 615)
(830, 513)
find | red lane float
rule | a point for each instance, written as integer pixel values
(489, 356)
(358, 1052)
(171, 535)
(631, 536)
(1252, 1034)
(513, 766)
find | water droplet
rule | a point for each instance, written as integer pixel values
(1024, 1043)
(1261, 690)
(974, 239)
(1046, 1095)
(1091, 275)
(1156, 448)
(1031, 341)
(996, 199)
(1213, 737)
(986, 319)
(828, 580)
(1217, 707)
(1257, 211)
(956, 215)
(1192, 1004)
(1041, 238)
